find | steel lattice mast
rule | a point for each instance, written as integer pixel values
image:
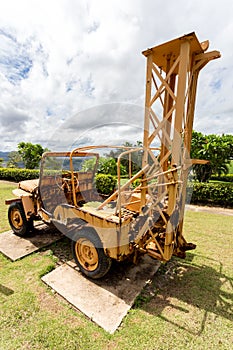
(171, 83)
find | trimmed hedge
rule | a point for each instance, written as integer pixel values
(213, 194)
(15, 174)
(220, 194)
(105, 184)
(225, 178)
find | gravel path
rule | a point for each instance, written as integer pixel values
(8, 182)
(213, 210)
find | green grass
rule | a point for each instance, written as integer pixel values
(188, 304)
(5, 193)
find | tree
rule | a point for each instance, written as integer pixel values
(1, 161)
(109, 166)
(14, 159)
(214, 148)
(135, 157)
(31, 154)
(229, 140)
(106, 165)
(88, 164)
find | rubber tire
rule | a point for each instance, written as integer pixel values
(27, 225)
(104, 261)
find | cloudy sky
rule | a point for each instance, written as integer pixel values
(67, 65)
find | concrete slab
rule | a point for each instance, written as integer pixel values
(104, 301)
(15, 247)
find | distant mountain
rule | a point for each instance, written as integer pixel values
(4, 156)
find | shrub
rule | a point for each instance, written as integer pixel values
(213, 194)
(14, 174)
(203, 193)
(105, 184)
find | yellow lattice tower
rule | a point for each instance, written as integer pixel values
(171, 83)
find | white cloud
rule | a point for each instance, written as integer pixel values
(60, 57)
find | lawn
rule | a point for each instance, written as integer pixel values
(5, 193)
(188, 304)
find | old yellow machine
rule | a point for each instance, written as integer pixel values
(146, 218)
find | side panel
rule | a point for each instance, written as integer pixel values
(28, 206)
(114, 237)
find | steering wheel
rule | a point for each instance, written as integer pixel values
(66, 182)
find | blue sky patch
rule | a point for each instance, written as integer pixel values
(216, 85)
(70, 85)
(15, 63)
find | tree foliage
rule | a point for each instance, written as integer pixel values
(14, 159)
(136, 157)
(88, 164)
(218, 150)
(105, 166)
(109, 166)
(31, 154)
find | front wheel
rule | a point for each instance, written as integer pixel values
(17, 219)
(88, 253)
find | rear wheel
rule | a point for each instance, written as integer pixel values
(88, 253)
(17, 219)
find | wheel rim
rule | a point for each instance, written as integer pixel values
(86, 254)
(16, 218)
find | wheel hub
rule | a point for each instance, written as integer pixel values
(87, 254)
(17, 219)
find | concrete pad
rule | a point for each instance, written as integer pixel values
(104, 301)
(15, 247)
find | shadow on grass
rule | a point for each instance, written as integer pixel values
(180, 286)
(177, 288)
(5, 290)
